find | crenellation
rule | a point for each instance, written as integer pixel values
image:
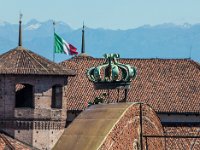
(42, 125)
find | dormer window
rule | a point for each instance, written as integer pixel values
(56, 96)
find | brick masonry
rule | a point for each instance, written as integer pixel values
(40, 126)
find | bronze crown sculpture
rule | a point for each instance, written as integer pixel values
(111, 74)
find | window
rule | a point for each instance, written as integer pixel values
(23, 95)
(56, 96)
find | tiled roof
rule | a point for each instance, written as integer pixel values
(183, 143)
(83, 55)
(23, 61)
(10, 143)
(168, 85)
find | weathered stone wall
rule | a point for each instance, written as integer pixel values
(46, 139)
(7, 95)
(43, 89)
(42, 94)
(47, 125)
(38, 138)
(49, 114)
(40, 134)
(25, 136)
(126, 133)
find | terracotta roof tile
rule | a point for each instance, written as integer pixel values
(23, 61)
(183, 143)
(7, 142)
(168, 85)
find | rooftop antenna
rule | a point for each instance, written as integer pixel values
(20, 29)
(83, 39)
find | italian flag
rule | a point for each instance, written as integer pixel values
(61, 46)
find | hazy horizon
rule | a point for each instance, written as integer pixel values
(113, 15)
(25, 22)
(167, 41)
(103, 14)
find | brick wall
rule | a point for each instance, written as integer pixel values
(25, 136)
(7, 93)
(17, 121)
(42, 94)
(46, 139)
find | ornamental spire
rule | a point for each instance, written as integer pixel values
(20, 30)
(83, 40)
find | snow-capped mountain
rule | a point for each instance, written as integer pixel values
(163, 41)
(33, 26)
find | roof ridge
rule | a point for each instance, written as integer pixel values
(18, 59)
(37, 61)
(23, 61)
(130, 58)
(51, 63)
(35, 67)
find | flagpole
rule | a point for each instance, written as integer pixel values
(54, 41)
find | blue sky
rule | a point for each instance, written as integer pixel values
(112, 14)
(109, 14)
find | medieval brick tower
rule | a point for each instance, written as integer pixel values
(32, 97)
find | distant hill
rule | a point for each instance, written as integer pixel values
(161, 41)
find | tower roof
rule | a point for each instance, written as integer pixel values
(23, 61)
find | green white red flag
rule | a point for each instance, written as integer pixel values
(61, 46)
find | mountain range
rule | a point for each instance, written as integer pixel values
(160, 41)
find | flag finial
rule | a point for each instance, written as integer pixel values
(83, 39)
(54, 24)
(20, 29)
